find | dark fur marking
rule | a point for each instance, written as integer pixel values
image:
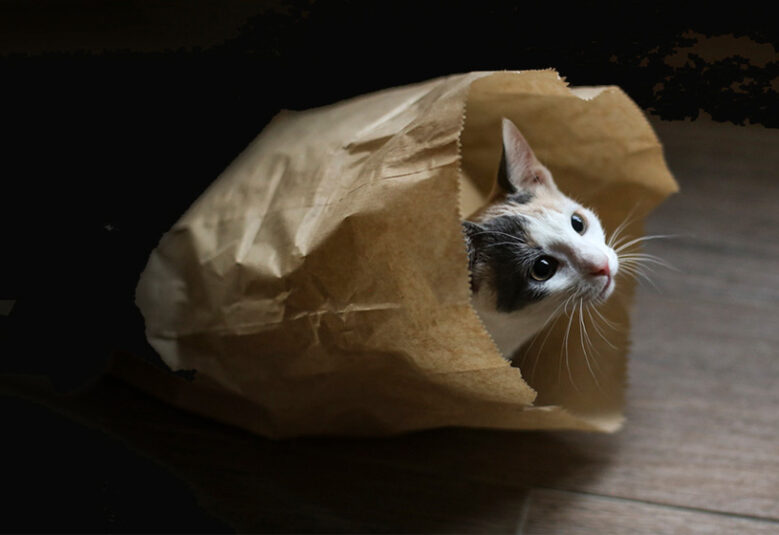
(501, 245)
(521, 197)
(470, 228)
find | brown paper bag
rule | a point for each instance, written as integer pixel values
(320, 285)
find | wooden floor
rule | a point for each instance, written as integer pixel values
(699, 452)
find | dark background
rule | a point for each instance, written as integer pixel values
(115, 118)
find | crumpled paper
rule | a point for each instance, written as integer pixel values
(320, 284)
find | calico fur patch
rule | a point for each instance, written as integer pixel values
(501, 256)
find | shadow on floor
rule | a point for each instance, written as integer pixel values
(439, 480)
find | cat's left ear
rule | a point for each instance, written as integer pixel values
(519, 168)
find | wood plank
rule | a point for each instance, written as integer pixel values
(552, 512)
(725, 214)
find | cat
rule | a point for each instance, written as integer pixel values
(533, 251)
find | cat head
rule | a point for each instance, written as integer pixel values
(532, 243)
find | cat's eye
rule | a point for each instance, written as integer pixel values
(577, 222)
(543, 268)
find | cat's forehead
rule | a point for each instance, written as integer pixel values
(538, 204)
(546, 218)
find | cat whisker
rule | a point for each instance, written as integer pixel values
(640, 255)
(557, 317)
(622, 226)
(626, 241)
(621, 247)
(541, 348)
(605, 320)
(560, 360)
(635, 265)
(641, 270)
(582, 334)
(638, 258)
(554, 312)
(565, 348)
(598, 330)
(594, 352)
(630, 274)
(636, 273)
(502, 243)
(513, 237)
(594, 325)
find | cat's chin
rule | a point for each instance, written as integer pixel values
(605, 293)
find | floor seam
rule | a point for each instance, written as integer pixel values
(684, 508)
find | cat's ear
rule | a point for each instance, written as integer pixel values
(519, 168)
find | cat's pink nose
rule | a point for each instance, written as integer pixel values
(602, 269)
